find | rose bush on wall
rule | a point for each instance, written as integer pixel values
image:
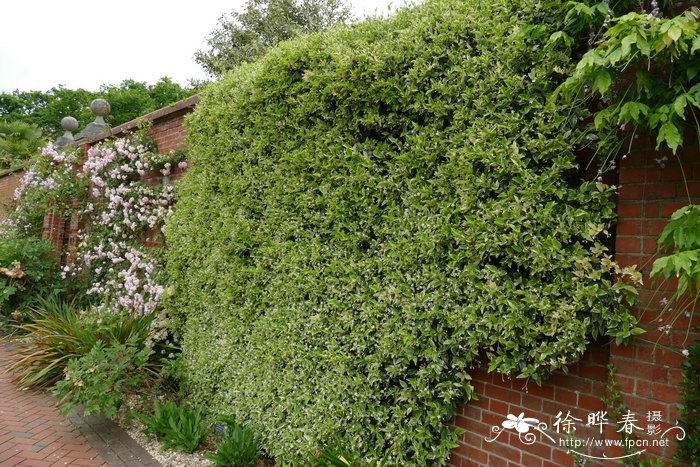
(98, 352)
(369, 211)
(117, 209)
(122, 209)
(50, 182)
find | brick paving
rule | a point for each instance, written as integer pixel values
(33, 433)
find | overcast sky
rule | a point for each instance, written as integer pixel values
(83, 44)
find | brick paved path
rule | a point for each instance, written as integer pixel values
(33, 433)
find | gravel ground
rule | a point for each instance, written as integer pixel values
(168, 458)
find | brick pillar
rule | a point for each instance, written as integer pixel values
(54, 229)
(653, 185)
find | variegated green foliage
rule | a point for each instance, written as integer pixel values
(371, 210)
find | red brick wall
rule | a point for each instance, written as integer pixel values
(9, 181)
(54, 229)
(579, 392)
(652, 187)
(169, 132)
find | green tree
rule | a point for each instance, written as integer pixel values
(128, 100)
(247, 36)
(132, 99)
(46, 109)
(165, 92)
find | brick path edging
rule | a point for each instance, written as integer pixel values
(33, 433)
(115, 446)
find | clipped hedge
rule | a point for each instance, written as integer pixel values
(371, 209)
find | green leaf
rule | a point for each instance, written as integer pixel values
(614, 56)
(561, 37)
(631, 111)
(681, 212)
(644, 46)
(603, 117)
(695, 92)
(643, 82)
(669, 134)
(627, 42)
(602, 81)
(674, 32)
(679, 105)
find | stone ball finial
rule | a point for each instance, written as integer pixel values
(69, 124)
(100, 108)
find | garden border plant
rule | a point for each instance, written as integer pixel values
(29, 270)
(99, 354)
(371, 209)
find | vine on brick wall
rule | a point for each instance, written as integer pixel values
(50, 183)
(681, 238)
(119, 208)
(121, 211)
(644, 69)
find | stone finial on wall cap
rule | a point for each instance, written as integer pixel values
(100, 109)
(69, 125)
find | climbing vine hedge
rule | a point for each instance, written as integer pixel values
(372, 212)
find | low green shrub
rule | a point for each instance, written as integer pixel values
(236, 446)
(372, 209)
(29, 269)
(172, 372)
(58, 332)
(102, 378)
(179, 427)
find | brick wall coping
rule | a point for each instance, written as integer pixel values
(184, 104)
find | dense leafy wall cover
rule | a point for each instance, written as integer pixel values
(370, 211)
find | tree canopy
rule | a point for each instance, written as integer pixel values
(128, 100)
(246, 36)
